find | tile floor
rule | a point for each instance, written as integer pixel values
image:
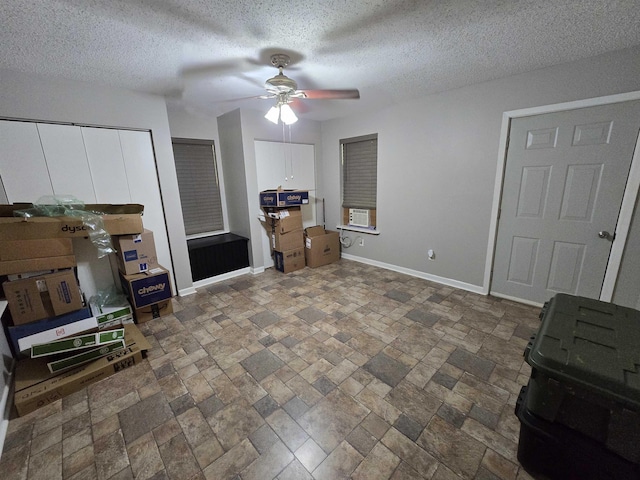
(344, 371)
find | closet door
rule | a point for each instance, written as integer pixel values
(63, 148)
(106, 164)
(140, 165)
(22, 165)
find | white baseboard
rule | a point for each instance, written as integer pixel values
(415, 273)
(257, 270)
(516, 299)
(187, 291)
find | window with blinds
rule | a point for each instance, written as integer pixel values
(359, 171)
(198, 184)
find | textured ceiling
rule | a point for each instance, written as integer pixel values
(202, 54)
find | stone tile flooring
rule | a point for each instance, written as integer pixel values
(344, 371)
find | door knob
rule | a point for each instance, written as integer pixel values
(605, 234)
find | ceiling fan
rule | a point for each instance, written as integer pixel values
(285, 91)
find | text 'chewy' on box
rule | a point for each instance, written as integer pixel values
(283, 198)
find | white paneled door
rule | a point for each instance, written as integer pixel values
(291, 166)
(23, 168)
(96, 165)
(106, 164)
(67, 161)
(140, 163)
(564, 181)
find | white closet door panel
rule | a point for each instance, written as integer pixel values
(140, 165)
(22, 166)
(301, 166)
(106, 165)
(67, 161)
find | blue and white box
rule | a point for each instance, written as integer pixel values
(147, 288)
(283, 198)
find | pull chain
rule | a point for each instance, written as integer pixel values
(284, 153)
(290, 154)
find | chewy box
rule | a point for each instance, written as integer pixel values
(155, 310)
(283, 198)
(585, 371)
(146, 288)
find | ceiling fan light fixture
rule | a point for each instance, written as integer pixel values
(287, 115)
(273, 115)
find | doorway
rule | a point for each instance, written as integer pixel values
(561, 198)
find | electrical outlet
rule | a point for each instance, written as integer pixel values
(361, 242)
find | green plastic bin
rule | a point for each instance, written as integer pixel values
(585, 375)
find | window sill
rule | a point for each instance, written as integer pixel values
(350, 228)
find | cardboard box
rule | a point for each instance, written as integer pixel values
(35, 264)
(40, 248)
(36, 386)
(154, 310)
(112, 316)
(145, 289)
(283, 198)
(287, 241)
(73, 344)
(136, 253)
(118, 220)
(24, 336)
(283, 220)
(321, 246)
(289, 261)
(84, 357)
(36, 298)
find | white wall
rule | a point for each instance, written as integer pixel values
(36, 98)
(192, 124)
(627, 291)
(200, 126)
(233, 165)
(437, 158)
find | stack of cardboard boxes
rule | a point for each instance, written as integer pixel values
(145, 282)
(284, 225)
(287, 240)
(292, 246)
(60, 342)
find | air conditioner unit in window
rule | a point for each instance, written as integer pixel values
(359, 217)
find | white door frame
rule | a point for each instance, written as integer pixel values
(628, 201)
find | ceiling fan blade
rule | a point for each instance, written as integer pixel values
(240, 99)
(298, 105)
(330, 94)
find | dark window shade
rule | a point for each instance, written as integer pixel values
(359, 173)
(199, 187)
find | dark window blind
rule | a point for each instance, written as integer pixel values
(198, 185)
(359, 172)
